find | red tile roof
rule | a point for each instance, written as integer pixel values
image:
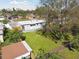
(14, 50)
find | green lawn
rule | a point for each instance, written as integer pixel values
(37, 41)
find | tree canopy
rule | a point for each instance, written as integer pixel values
(62, 21)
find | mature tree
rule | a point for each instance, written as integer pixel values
(60, 7)
(62, 20)
(41, 11)
(58, 12)
(4, 11)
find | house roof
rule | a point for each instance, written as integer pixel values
(15, 50)
(34, 21)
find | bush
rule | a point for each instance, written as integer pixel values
(11, 36)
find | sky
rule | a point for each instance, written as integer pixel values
(21, 4)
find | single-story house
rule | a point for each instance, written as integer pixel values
(27, 26)
(18, 50)
(1, 32)
(31, 25)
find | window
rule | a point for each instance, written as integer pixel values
(25, 58)
(32, 24)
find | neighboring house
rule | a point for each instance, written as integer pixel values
(2, 17)
(16, 51)
(27, 26)
(1, 32)
(31, 25)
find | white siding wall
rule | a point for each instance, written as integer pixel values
(32, 28)
(29, 26)
(27, 55)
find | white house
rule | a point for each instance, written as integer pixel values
(27, 26)
(1, 32)
(31, 25)
(16, 51)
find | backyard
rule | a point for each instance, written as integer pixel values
(37, 42)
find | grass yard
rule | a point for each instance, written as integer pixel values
(37, 41)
